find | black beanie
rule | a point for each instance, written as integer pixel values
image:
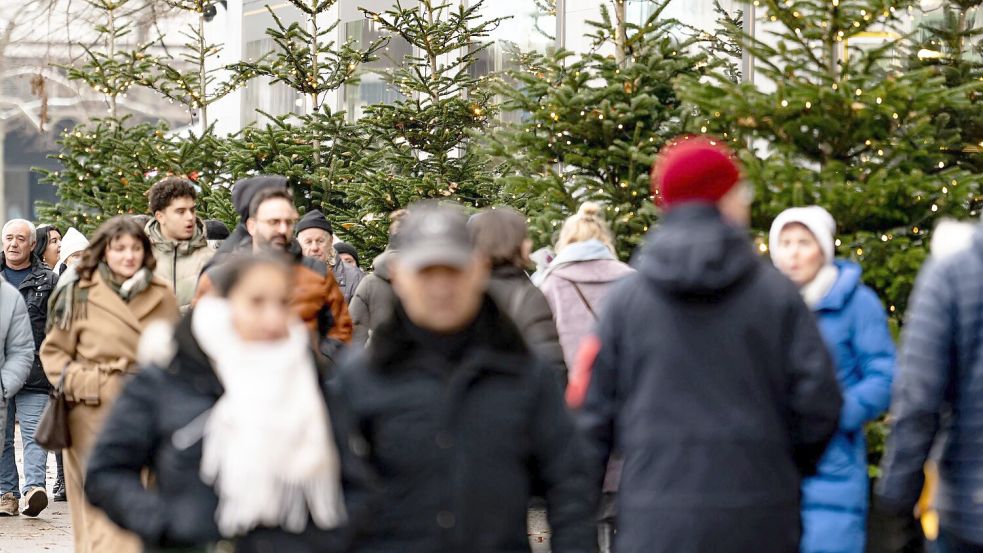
(246, 189)
(313, 219)
(345, 247)
(216, 230)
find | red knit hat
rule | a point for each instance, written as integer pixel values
(694, 169)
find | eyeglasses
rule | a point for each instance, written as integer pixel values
(277, 223)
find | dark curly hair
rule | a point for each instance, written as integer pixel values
(169, 189)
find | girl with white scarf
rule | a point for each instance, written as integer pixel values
(231, 419)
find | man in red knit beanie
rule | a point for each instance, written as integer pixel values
(701, 170)
(710, 375)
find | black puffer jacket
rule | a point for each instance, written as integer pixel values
(36, 289)
(141, 433)
(713, 382)
(519, 298)
(461, 446)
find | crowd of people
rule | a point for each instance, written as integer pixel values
(257, 391)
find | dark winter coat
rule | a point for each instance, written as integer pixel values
(519, 298)
(36, 289)
(462, 446)
(712, 380)
(854, 325)
(373, 301)
(938, 394)
(179, 511)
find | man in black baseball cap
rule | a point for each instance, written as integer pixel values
(463, 417)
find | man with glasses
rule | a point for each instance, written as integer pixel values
(317, 298)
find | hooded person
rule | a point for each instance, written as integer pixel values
(72, 246)
(315, 235)
(708, 372)
(180, 243)
(853, 323)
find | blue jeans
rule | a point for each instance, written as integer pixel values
(948, 543)
(26, 407)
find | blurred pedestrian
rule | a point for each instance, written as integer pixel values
(347, 254)
(315, 235)
(316, 297)
(501, 235)
(72, 246)
(373, 301)
(16, 361)
(99, 310)
(47, 245)
(579, 278)
(217, 233)
(854, 325)
(709, 373)
(177, 234)
(461, 421)
(937, 401)
(35, 282)
(228, 415)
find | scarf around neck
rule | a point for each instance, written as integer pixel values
(814, 291)
(268, 448)
(131, 287)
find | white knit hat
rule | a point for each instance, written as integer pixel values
(72, 242)
(819, 222)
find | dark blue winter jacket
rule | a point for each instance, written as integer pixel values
(939, 392)
(854, 326)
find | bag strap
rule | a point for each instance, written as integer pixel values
(59, 389)
(583, 298)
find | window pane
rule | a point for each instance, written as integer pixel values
(260, 95)
(372, 88)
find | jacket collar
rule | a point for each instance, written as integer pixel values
(847, 282)
(37, 269)
(494, 344)
(184, 247)
(101, 295)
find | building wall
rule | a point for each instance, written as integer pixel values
(244, 26)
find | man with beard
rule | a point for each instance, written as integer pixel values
(317, 299)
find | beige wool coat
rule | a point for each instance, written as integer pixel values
(97, 352)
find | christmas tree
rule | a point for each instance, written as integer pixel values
(596, 121)
(109, 163)
(952, 44)
(846, 123)
(319, 149)
(421, 144)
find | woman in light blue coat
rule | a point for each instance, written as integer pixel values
(854, 325)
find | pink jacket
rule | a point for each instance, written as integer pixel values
(575, 291)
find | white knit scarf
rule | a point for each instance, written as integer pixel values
(268, 448)
(814, 291)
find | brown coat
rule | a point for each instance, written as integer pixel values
(98, 351)
(311, 292)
